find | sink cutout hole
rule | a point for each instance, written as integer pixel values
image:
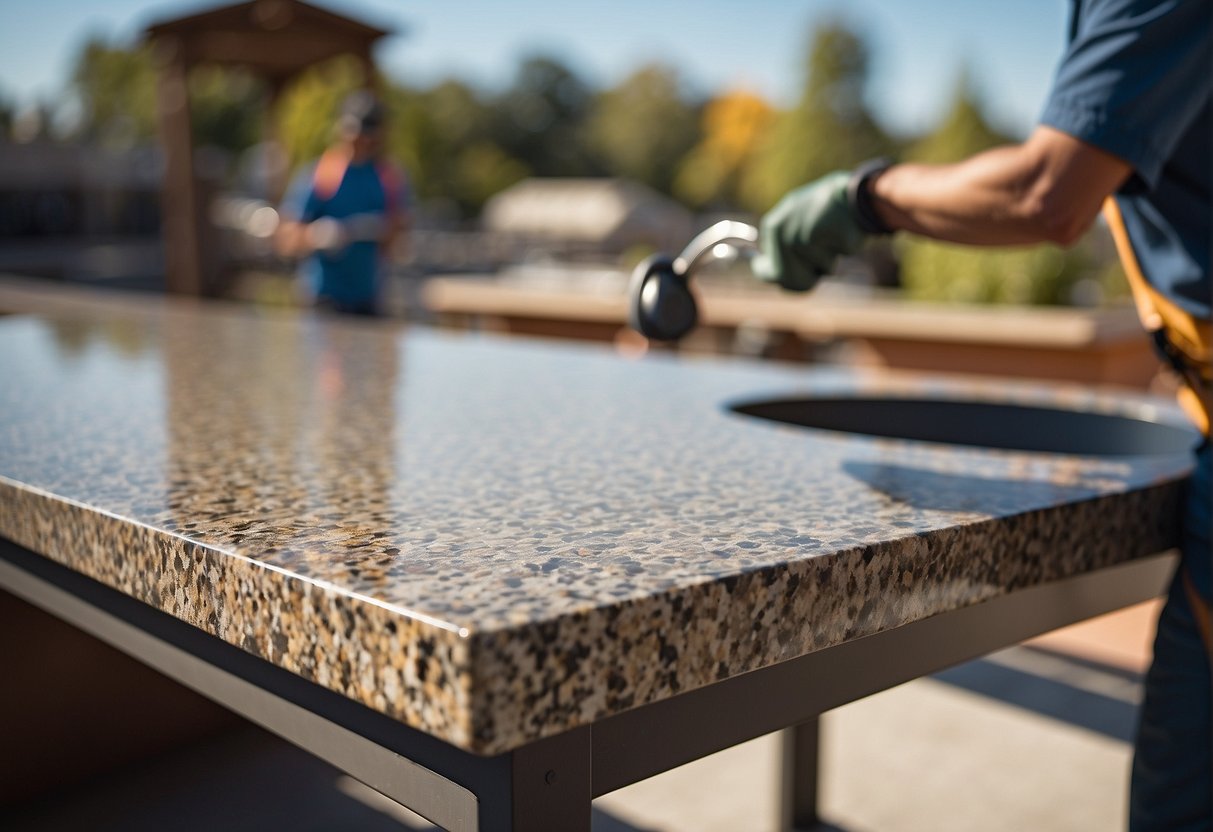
(982, 424)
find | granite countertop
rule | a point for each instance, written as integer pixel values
(497, 540)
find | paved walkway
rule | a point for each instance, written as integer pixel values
(967, 750)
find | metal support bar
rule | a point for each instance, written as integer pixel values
(648, 740)
(437, 798)
(800, 746)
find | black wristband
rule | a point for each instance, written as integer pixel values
(860, 199)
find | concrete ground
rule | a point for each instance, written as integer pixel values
(1028, 738)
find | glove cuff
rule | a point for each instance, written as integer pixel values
(859, 198)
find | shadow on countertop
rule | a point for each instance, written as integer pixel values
(922, 488)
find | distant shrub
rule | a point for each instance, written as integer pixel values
(1032, 275)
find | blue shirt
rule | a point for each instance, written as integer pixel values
(1136, 80)
(349, 276)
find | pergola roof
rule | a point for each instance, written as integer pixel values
(277, 38)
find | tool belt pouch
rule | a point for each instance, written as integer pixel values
(1181, 339)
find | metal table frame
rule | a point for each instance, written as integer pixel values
(547, 785)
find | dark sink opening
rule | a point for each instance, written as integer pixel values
(982, 424)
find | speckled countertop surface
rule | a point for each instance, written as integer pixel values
(496, 540)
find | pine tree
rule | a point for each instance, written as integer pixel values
(830, 128)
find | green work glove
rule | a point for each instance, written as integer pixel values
(802, 236)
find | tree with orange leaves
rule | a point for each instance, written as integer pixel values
(733, 126)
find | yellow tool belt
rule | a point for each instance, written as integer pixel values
(1183, 340)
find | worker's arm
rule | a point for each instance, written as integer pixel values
(398, 194)
(396, 242)
(292, 239)
(393, 241)
(1047, 189)
(300, 230)
(300, 239)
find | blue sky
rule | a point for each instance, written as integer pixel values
(918, 46)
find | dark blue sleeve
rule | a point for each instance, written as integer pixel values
(300, 203)
(1134, 77)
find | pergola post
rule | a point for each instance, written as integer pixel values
(180, 209)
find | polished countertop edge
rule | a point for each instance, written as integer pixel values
(592, 687)
(483, 706)
(327, 586)
(121, 554)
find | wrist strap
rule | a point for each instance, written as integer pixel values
(859, 198)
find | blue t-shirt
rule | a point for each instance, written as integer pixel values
(1136, 80)
(349, 276)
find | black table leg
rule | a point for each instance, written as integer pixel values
(798, 788)
(549, 788)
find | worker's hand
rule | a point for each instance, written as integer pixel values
(327, 235)
(369, 226)
(802, 236)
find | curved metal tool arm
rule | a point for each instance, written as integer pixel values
(729, 232)
(661, 305)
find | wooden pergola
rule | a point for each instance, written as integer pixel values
(274, 39)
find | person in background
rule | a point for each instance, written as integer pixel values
(345, 214)
(1126, 128)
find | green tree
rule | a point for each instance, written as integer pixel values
(830, 128)
(412, 138)
(308, 108)
(539, 120)
(643, 128)
(1025, 275)
(445, 136)
(964, 130)
(481, 170)
(459, 115)
(226, 108)
(116, 88)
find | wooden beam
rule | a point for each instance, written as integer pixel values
(268, 14)
(272, 52)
